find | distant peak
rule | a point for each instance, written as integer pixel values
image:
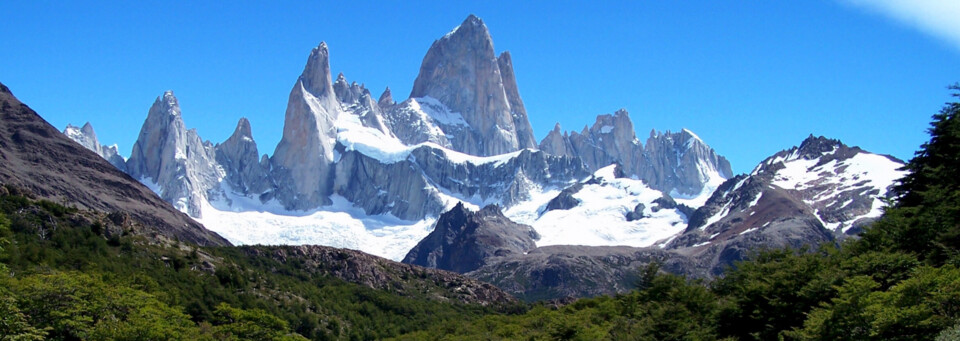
(505, 57)
(813, 147)
(386, 98)
(243, 128)
(316, 74)
(691, 134)
(168, 103)
(88, 130)
(471, 26)
(341, 78)
(556, 127)
(473, 19)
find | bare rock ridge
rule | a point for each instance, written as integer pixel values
(245, 170)
(303, 160)
(678, 163)
(462, 72)
(87, 137)
(174, 158)
(383, 274)
(411, 188)
(807, 195)
(40, 159)
(464, 241)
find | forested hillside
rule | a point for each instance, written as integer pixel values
(70, 274)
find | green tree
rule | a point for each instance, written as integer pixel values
(773, 291)
(925, 219)
(255, 324)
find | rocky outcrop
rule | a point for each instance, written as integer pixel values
(564, 200)
(520, 120)
(246, 172)
(39, 159)
(682, 163)
(86, 137)
(382, 274)
(670, 162)
(462, 72)
(303, 160)
(555, 272)
(807, 195)
(174, 158)
(415, 120)
(411, 189)
(355, 99)
(463, 241)
(386, 100)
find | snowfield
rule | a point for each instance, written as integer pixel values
(600, 218)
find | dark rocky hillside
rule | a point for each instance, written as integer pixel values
(35, 156)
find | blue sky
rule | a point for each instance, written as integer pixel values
(749, 77)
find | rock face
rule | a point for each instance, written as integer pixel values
(303, 160)
(174, 158)
(382, 274)
(807, 195)
(674, 163)
(462, 72)
(246, 172)
(88, 138)
(357, 100)
(678, 163)
(412, 188)
(463, 241)
(38, 158)
(555, 272)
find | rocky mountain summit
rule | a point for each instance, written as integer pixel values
(811, 194)
(463, 240)
(375, 174)
(462, 71)
(680, 164)
(173, 158)
(808, 195)
(86, 137)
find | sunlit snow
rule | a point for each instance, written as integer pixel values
(600, 218)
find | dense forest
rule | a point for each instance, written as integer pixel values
(66, 277)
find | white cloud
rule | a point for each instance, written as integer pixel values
(940, 18)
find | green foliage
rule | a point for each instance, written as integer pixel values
(78, 306)
(238, 324)
(915, 309)
(774, 291)
(13, 323)
(120, 285)
(670, 308)
(926, 218)
(64, 278)
(950, 334)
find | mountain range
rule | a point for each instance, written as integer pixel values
(452, 178)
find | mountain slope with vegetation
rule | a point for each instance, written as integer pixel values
(88, 253)
(899, 281)
(64, 276)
